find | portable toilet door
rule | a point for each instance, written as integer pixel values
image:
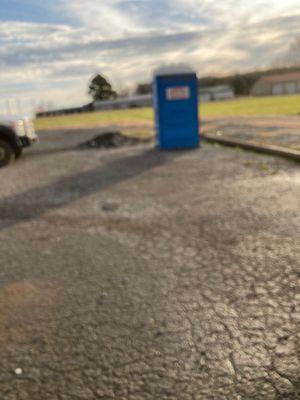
(176, 108)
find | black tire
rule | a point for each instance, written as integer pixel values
(7, 154)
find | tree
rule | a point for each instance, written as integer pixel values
(290, 58)
(124, 93)
(101, 89)
(294, 53)
(143, 88)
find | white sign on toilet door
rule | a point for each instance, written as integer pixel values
(178, 93)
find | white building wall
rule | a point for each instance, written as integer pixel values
(291, 87)
(221, 92)
(285, 88)
(225, 95)
(205, 97)
(277, 89)
(124, 103)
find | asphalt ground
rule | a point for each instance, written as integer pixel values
(278, 131)
(139, 274)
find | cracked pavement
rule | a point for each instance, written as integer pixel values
(279, 131)
(139, 274)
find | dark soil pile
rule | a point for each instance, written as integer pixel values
(110, 140)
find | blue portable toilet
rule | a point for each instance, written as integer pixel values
(176, 108)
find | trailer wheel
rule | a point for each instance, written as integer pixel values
(7, 154)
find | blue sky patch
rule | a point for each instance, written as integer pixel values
(32, 11)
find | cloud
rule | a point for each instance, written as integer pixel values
(127, 39)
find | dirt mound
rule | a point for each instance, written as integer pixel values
(110, 140)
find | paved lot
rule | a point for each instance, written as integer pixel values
(138, 274)
(280, 131)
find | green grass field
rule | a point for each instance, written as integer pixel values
(259, 107)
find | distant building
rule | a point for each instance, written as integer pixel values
(206, 94)
(40, 113)
(215, 93)
(126, 102)
(275, 85)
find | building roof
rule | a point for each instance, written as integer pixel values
(281, 78)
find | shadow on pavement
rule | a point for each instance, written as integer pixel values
(45, 152)
(35, 202)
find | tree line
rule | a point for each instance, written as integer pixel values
(240, 83)
(101, 89)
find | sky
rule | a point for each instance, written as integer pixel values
(49, 49)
